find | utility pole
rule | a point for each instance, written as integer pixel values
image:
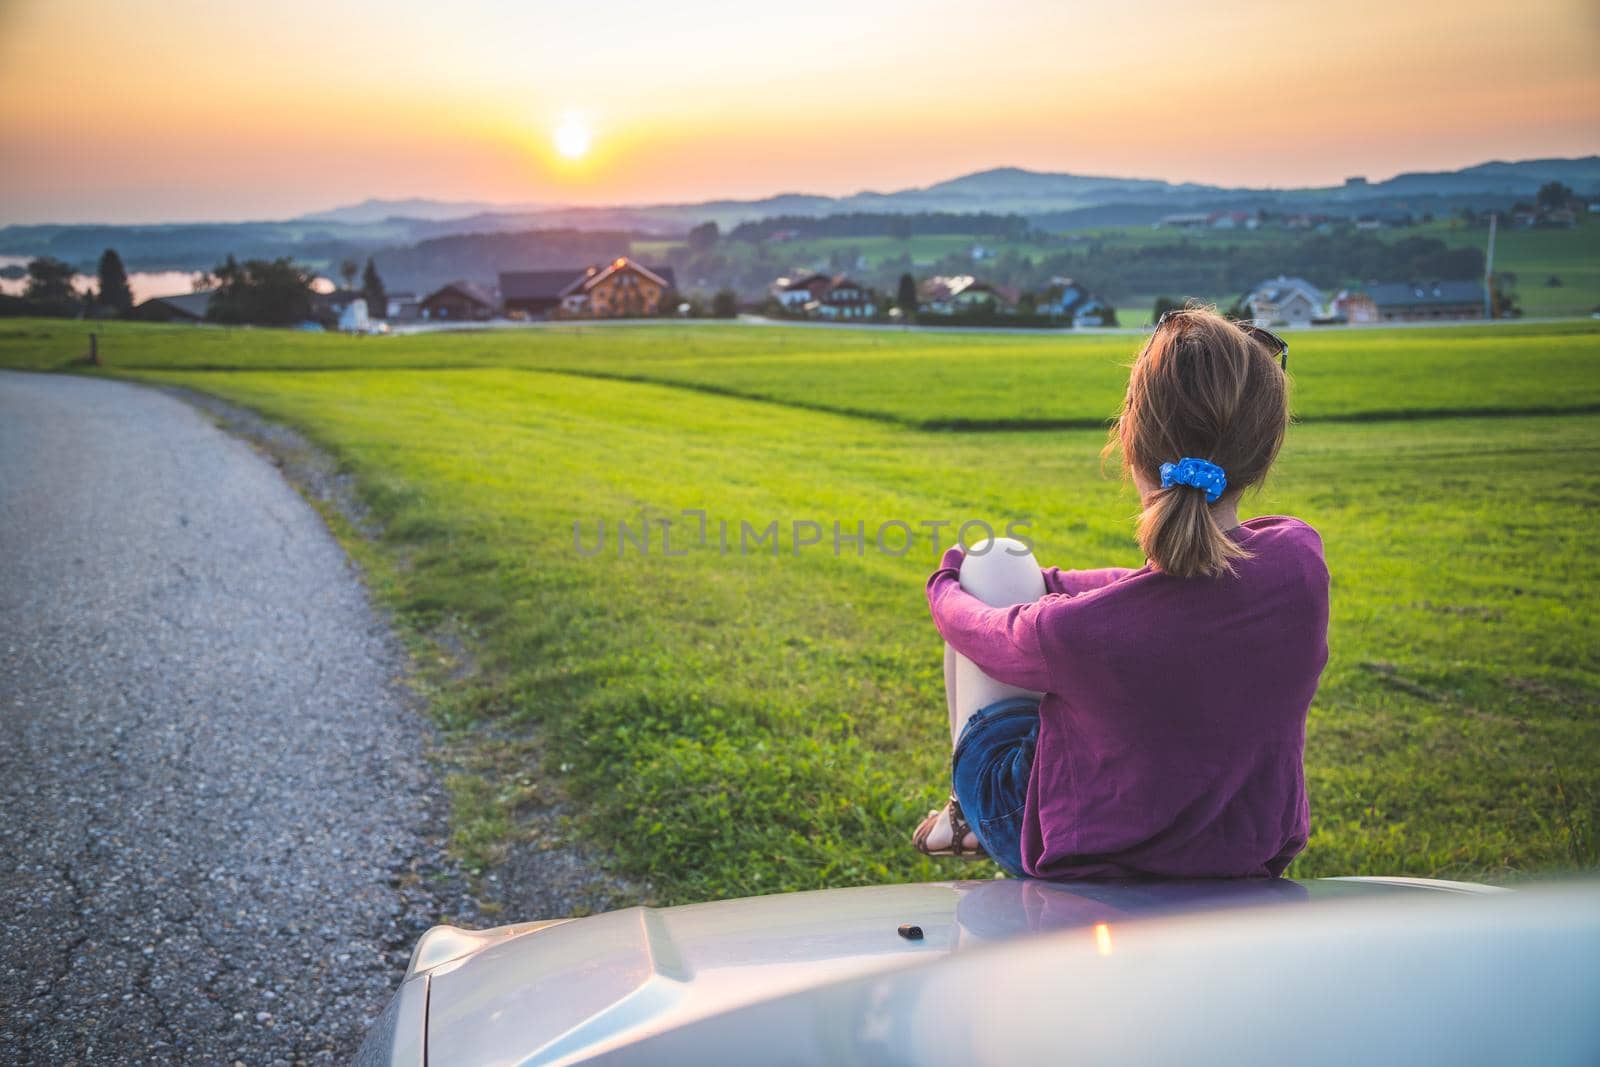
(1488, 272)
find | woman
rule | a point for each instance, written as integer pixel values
(1148, 722)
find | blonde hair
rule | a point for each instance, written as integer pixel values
(1205, 388)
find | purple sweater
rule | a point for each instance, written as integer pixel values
(1172, 731)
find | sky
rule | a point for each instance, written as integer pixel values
(186, 110)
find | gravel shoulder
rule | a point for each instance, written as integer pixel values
(222, 832)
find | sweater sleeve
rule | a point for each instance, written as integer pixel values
(1072, 583)
(1003, 642)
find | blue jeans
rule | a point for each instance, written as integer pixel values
(989, 773)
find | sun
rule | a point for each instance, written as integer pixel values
(573, 136)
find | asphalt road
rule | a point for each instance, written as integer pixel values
(219, 834)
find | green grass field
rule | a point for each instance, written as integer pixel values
(727, 723)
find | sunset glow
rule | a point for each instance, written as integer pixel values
(192, 110)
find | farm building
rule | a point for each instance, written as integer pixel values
(536, 293)
(1354, 307)
(402, 307)
(458, 302)
(619, 289)
(185, 307)
(1413, 301)
(1284, 301)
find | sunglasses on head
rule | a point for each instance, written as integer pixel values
(1276, 344)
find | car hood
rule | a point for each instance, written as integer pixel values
(546, 993)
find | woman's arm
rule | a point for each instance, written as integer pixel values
(1003, 642)
(1072, 583)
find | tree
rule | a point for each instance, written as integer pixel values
(1553, 195)
(261, 292)
(725, 304)
(900, 228)
(372, 289)
(1503, 303)
(1164, 304)
(348, 269)
(50, 281)
(906, 298)
(703, 236)
(115, 295)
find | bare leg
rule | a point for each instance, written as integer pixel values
(999, 579)
(950, 657)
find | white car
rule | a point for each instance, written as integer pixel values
(1005, 972)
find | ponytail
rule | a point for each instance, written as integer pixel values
(1210, 401)
(1180, 535)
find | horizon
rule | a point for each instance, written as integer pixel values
(532, 207)
(188, 113)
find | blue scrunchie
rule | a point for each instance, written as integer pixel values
(1196, 472)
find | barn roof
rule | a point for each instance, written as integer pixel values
(471, 290)
(536, 284)
(1424, 294)
(594, 276)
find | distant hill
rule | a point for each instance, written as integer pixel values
(375, 210)
(1003, 190)
(393, 229)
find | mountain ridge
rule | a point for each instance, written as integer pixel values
(1012, 189)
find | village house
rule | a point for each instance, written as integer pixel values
(794, 293)
(622, 288)
(1232, 220)
(1284, 301)
(1414, 302)
(961, 294)
(1067, 300)
(458, 302)
(1302, 221)
(820, 296)
(846, 299)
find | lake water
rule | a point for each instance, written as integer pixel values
(144, 284)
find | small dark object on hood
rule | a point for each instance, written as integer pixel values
(911, 931)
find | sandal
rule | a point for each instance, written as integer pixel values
(959, 829)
